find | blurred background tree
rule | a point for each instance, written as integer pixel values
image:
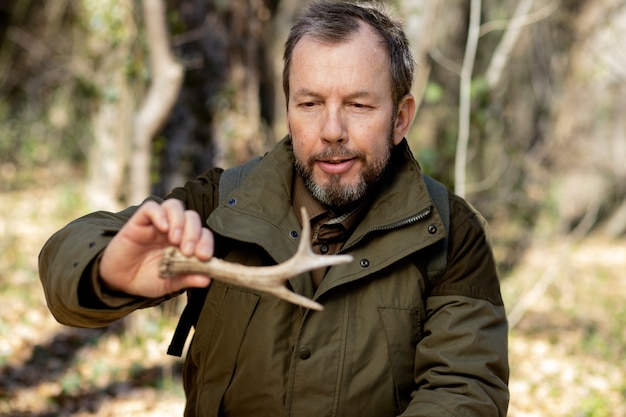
(545, 127)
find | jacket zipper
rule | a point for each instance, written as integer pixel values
(410, 220)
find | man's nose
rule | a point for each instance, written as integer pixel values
(333, 129)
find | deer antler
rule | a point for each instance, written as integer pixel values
(270, 279)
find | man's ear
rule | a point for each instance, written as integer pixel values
(404, 118)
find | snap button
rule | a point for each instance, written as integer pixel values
(92, 244)
(305, 353)
(324, 249)
(293, 234)
(365, 263)
(432, 229)
(232, 202)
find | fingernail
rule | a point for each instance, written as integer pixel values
(188, 248)
(204, 251)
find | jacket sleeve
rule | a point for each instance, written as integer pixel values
(68, 262)
(461, 366)
(68, 265)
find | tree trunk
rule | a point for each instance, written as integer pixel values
(589, 131)
(420, 22)
(108, 47)
(225, 111)
(167, 75)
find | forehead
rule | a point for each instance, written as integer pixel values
(365, 38)
(361, 58)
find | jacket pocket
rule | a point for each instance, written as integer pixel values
(221, 328)
(403, 330)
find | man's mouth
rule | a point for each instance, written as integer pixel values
(336, 165)
(335, 160)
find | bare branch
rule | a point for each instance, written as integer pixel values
(506, 45)
(465, 97)
(519, 22)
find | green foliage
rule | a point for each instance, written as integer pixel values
(29, 139)
(428, 159)
(47, 107)
(479, 87)
(71, 383)
(434, 93)
(175, 22)
(594, 405)
(107, 18)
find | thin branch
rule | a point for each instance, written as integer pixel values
(539, 288)
(519, 22)
(443, 61)
(503, 163)
(506, 45)
(473, 34)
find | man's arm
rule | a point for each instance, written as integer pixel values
(68, 269)
(102, 266)
(70, 262)
(461, 366)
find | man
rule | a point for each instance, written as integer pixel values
(388, 342)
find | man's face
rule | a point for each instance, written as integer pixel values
(340, 115)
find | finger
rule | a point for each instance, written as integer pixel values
(175, 214)
(151, 213)
(196, 281)
(176, 284)
(192, 231)
(206, 245)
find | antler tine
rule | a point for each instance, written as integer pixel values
(270, 279)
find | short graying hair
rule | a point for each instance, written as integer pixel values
(336, 22)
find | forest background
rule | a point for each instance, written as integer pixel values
(521, 110)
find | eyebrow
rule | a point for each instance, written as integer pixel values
(306, 92)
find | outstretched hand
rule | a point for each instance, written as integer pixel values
(130, 263)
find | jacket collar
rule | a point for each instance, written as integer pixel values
(260, 212)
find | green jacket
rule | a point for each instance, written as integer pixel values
(386, 343)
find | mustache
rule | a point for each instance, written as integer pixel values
(336, 152)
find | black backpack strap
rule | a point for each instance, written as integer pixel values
(229, 181)
(188, 319)
(439, 251)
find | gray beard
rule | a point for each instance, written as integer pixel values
(334, 194)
